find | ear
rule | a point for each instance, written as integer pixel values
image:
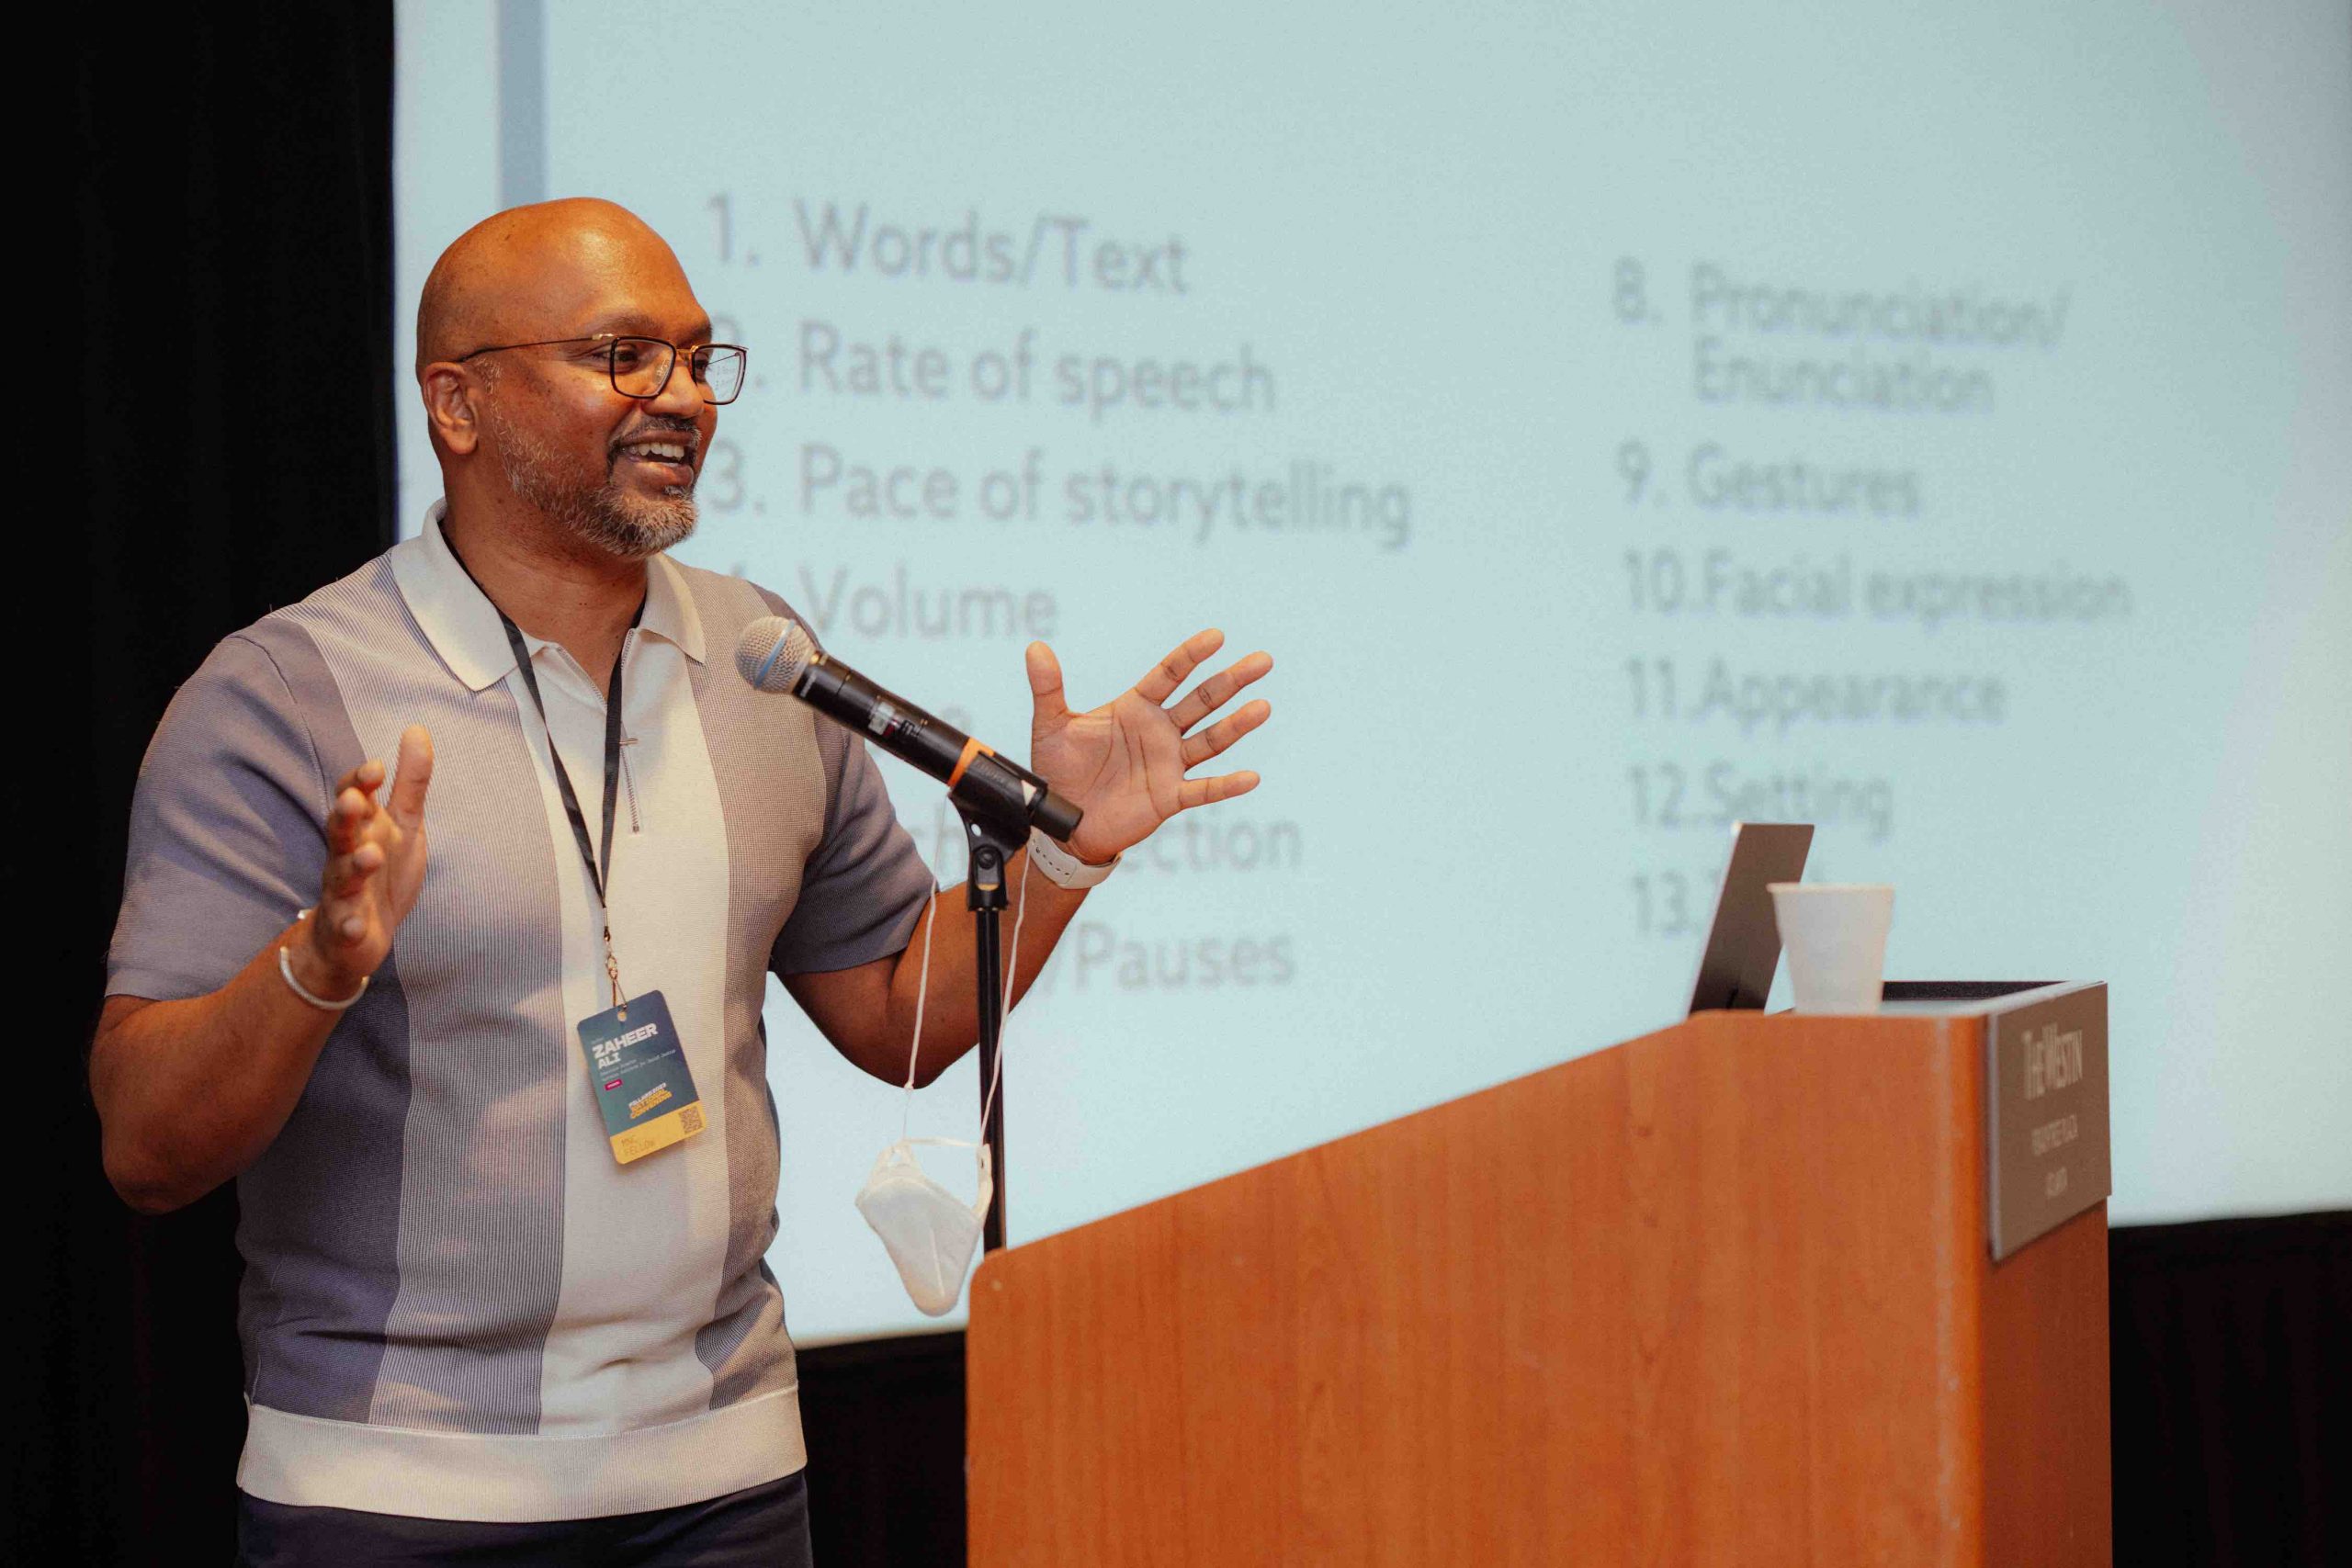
(449, 406)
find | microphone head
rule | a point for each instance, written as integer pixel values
(773, 651)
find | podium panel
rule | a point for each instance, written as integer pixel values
(1721, 1295)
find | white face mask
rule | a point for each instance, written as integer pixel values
(931, 1234)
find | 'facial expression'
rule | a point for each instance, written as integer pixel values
(615, 470)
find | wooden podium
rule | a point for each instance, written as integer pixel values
(1722, 1294)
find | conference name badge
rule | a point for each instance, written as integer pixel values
(640, 1073)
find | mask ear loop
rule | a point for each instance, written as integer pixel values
(1004, 1010)
(922, 991)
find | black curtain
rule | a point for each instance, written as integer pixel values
(229, 248)
(230, 242)
(2230, 1347)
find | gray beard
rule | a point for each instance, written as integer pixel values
(605, 515)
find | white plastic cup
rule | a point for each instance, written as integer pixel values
(1835, 935)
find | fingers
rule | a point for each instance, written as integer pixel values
(1217, 737)
(342, 915)
(1208, 792)
(1218, 690)
(1159, 682)
(367, 776)
(347, 875)
(365, 780)
(407, 802)
(354, 857)
(354, 808)
(359, 835)
(1045, 682)
(342, 922)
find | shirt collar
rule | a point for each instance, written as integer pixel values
(462, 625)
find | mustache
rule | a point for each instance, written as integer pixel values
(685, 432)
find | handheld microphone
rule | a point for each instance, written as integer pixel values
(777, 655)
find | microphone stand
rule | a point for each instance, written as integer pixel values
(990, 848)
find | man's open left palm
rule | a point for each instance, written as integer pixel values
(1125, 763)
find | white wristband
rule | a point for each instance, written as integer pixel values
(1060, 867)
(286, 968)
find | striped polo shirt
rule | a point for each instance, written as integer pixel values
(456, 1302)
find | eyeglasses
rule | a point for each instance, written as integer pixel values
(640, 367)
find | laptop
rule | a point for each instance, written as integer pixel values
(1743, 949)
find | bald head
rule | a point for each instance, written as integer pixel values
(537, 272)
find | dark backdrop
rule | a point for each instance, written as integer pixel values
(229, 248)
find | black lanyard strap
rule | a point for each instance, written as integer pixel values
(600, 868)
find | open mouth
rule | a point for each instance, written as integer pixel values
(663, 462)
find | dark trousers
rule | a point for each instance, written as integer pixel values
(761, 1527)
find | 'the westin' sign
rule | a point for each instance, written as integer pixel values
(2045, 1099)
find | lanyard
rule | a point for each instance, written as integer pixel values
(600, 868)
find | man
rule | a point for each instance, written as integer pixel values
(469, 1327)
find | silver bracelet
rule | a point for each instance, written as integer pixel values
(1060, 867)
(285, 968)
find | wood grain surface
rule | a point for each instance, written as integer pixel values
(1717, 1295)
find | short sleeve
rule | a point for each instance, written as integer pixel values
(227, 835)
(865, 886)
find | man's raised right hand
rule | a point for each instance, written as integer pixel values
(374, 869)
